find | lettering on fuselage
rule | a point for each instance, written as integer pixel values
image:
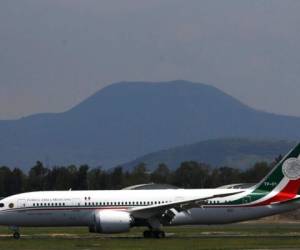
(270, 184)
(49, 200)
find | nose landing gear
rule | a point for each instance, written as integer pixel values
(16, 233)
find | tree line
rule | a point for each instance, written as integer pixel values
(189, 174)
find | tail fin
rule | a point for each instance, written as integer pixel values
(283, 182)
(288, 168)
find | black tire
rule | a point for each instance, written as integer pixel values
(159, 234)
(162, 234)
(16, 235)
(147, 234)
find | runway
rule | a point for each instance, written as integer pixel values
(204, 235)
(228, 237)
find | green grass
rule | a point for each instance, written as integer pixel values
(238, 236)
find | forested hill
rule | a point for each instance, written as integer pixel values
(188, 175)
(238, 153)
(129, 119)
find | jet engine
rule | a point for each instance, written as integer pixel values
(108, 221)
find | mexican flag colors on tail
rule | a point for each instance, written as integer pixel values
(280, 185)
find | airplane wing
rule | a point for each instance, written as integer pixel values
(180, 205)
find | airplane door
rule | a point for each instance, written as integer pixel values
(76, 202)
(21, 203)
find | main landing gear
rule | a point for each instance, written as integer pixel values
(154, 234)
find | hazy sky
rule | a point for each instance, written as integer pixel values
(55, 53)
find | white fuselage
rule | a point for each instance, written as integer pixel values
(77, 208)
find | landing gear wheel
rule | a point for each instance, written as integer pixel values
(148, 234)
(162, 234)
(159, 234)
(16, 235)
(154, 234)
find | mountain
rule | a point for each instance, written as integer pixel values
(129, 119)
(234, 152)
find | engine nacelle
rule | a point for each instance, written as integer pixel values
(108, 221)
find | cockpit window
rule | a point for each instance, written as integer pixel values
(1, 205)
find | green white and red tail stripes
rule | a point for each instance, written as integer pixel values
(280, 185)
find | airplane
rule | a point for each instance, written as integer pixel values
(117, 211)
